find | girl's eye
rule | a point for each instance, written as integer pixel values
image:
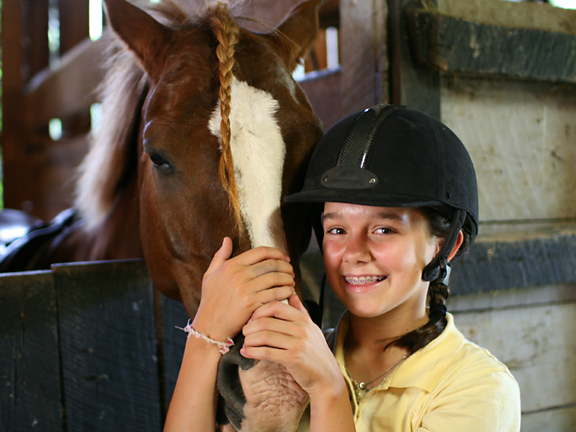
(160, 163)
(384, 231)
(336, 231)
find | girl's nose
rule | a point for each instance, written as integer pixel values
(357, 250)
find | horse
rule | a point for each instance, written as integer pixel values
(204, 131)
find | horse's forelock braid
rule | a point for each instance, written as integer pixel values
(227, 32)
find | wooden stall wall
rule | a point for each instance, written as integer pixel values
(503, 77)
(40, 85)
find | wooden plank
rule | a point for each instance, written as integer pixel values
(108, 340)
(517, 259)
(29, 360)
(525, 14)
(363, 54)
(553, 419)
(455, 45)
(54, 166)
(62, 91)
(513, 297)
(538, 346)
(417, 87)
(37, 49)
(14, 129)
(74, 23)
(323, 91)
(173, 342)
(520, 135)
(56, 171)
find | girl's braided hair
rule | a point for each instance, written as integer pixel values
(438, 291)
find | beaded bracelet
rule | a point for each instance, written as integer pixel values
(224, 346)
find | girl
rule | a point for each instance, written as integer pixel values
(397, 197)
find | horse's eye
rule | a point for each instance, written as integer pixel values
(160, 163)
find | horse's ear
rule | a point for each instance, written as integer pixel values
(298, 31)
(145, 36)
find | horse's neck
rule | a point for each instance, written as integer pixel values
(117, 238)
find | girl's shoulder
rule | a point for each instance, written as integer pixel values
(451, 358)
(467, 361)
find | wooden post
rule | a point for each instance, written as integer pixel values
(29, 153)
(14, 128)
(74, 23)
(363, 54)
(416, 86)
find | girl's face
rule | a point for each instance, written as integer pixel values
(374, 257)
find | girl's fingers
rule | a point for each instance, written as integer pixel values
(221, 256)
(272, 280)
(272, 266)
(292, 311)
(261, 254)
(295, 302)
(273, 338)
(275, 294)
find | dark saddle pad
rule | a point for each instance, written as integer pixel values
(25, 241)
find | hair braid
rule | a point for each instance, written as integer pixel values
(227, 33)
(438, 291)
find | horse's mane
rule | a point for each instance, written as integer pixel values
(102, 173)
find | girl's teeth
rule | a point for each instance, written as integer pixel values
(363, 280)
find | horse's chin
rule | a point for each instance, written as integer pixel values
(274, 400)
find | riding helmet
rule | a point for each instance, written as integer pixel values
(394, 156)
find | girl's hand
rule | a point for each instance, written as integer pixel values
(287, 335)
(233, 288)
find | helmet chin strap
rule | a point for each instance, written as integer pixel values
(437, 268)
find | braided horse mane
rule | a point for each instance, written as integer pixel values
(104, 171)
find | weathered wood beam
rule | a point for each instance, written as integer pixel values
(455, 45)
(543, 254)
(411, 84)
(29, 367)
(70, 87)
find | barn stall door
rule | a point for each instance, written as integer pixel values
(88, 346)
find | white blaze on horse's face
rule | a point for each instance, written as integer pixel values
(258, 151)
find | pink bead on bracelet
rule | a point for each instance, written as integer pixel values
(224, 346)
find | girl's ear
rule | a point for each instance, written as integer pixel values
(459, 241)
(455, 249)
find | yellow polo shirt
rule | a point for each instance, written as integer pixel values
(450, 385)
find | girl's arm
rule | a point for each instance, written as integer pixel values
(287, 335)
(193, 404)
(232, 289)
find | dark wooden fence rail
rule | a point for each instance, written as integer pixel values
(87, 347)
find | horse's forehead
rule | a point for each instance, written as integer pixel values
(189, 76)
(187, 86)
(261, 64)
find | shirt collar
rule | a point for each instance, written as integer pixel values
(422, 368)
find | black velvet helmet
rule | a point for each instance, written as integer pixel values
(393, 156)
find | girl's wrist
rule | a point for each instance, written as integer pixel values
(332, 390)
(209, 330)
(223, 345)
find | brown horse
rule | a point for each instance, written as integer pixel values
(191, 98)
(204, 132)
